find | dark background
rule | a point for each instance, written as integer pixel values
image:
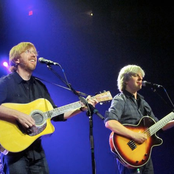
(92, 50)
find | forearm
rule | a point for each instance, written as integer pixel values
(13, 115)
(118, 128)
(8, 114)
(72, 113)
(169, 125)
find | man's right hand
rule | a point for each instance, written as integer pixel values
(139, 137)
(26, 121)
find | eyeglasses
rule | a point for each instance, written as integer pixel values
(31, 52)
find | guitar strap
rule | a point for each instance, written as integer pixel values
(37, 78)
(81, 93)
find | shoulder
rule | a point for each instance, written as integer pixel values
(142, 99)
(120, 97)
(37, 80)
(140, 96)
(6, 78)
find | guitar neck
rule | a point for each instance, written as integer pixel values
(161, 123)
(103, 97)
(60, 110)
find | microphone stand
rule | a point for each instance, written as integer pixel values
(154, 89)
(91, 110)
(89, 113)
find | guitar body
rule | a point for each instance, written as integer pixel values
(13, 138)
(129, 153)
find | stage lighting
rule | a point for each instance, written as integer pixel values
(5, 64)
(30, 13)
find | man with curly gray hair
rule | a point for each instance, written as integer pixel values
(127, 110)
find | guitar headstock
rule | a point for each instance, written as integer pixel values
(103, 97)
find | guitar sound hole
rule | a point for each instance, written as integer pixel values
(38, 117)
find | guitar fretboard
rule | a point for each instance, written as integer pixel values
(161, 123)
(60, 110)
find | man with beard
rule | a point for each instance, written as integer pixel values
(21, 87)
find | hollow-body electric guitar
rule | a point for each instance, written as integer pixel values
(131, 154)
(12, 136)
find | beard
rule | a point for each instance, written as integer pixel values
(27, 65)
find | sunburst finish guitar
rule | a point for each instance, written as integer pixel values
(131, 154)
(14, 139)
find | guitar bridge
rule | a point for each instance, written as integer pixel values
(36, 130)
(132, 144)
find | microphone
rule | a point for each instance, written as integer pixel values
(145, 83)
(48, 62)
